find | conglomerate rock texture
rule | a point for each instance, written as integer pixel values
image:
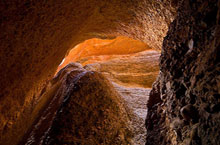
(184, 105)
(35, 36)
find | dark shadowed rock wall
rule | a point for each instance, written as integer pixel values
(184, 104)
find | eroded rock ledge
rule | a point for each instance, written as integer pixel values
(184, 104)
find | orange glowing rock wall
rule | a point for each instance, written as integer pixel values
(108, 47)
(123, 60)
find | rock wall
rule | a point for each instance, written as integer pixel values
(35, 36)
(184, 103)
(123, 60)
(133, 70)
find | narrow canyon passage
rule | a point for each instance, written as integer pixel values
(130, 71)
(110, 72)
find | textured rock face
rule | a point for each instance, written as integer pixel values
(92, 115)
(184, 107)
(35, 36)
(84, 109)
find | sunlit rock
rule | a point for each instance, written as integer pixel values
(134, 70)
(88, 51)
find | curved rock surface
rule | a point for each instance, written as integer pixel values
(87, 51)
(84, 109)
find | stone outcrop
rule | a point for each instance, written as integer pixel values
(184, 107)
(35, 36)
(84, 109)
